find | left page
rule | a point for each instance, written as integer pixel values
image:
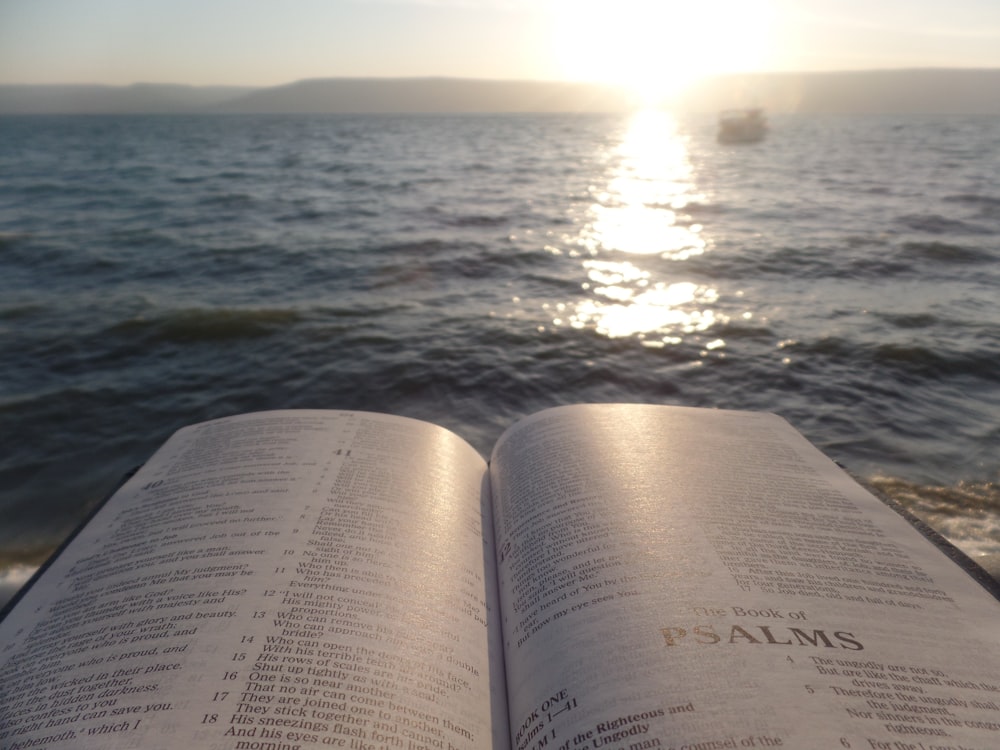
(277, 580)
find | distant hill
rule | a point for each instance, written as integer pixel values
(329, 95)
(962, 91)
(139, 98)
(391, 95)
(919, 91)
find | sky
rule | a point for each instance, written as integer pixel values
(654, 45)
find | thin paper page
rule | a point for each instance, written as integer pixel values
(677, 577)
(280, 580)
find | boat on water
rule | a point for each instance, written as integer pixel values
(742, 125)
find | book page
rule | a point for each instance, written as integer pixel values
(272, 581)
(701, 579)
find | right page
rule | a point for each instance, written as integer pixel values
(701, 579)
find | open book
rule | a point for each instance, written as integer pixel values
(616, 576)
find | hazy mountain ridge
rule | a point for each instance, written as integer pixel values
(138, 98)
(960, 91)
(426, 95)
(917, 91)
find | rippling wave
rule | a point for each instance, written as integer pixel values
(204, 324)
(966, 511)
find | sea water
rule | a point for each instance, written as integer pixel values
(468, 270)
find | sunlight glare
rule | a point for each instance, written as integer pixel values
(627, 304)
(641, 212)
(658, 47)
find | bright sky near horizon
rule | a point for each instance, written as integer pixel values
(652, 45)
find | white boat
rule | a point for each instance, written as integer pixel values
(742, 125)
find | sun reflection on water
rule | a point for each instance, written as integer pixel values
(638, 210)
(641, 213)
(626, 303)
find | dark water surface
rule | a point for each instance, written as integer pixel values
(156, 271)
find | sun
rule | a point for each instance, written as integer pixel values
(657, 47)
